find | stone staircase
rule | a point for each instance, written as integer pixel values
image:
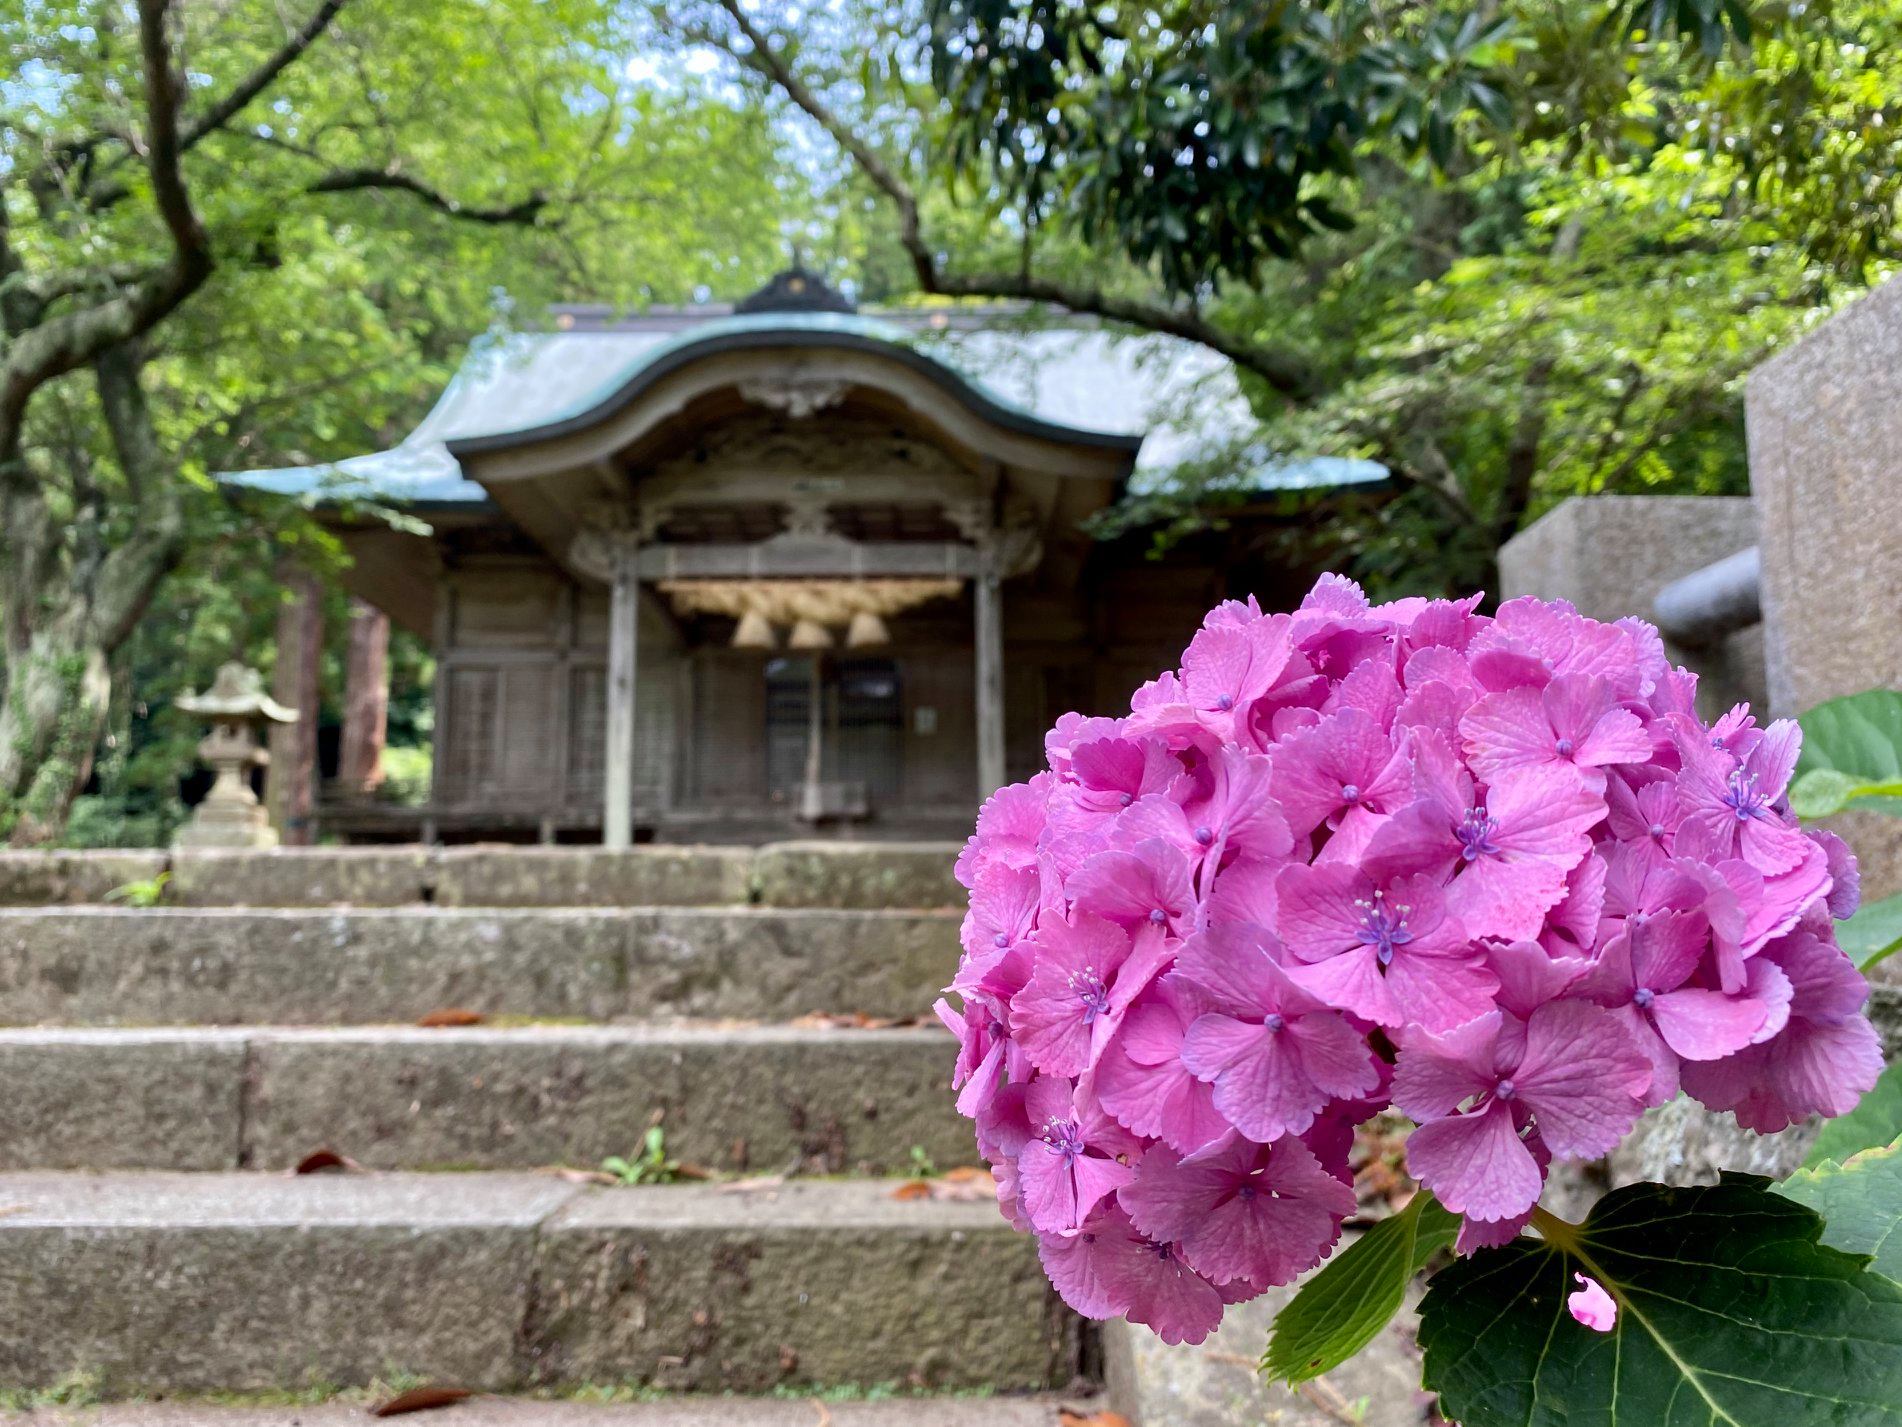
(164, 1068)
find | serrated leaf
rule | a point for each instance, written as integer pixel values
(1873, 933)
(1730, 1314)
(1861, 1204)
(1874, 1122)
(1338, 1311)
(1860, 736)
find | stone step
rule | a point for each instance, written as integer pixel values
(790, 874)
(357, 966)
(730, 1099)
(144, 1284)
(685, 1410)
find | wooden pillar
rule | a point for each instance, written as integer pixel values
(366, 700)
(617, 818)
(987, 589)
(297, 683)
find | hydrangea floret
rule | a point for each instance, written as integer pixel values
(1493, 872)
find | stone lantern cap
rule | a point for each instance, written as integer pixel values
(236, 692)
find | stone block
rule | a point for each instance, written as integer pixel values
(87, 1099)
(806, 1283)
(857, 874)
(590, 876)
(735, 1099)
(1215, 1383)
(358, 966)
(105, 966)
(773, 963)
(155, 1283)
(31, 878)
(1825, 431)
(299, 877)
(1611, 554)
(684, 1411)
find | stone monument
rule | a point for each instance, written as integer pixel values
(231, 815)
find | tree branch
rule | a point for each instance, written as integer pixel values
(109, 191)
(1522, 450)
(765, 60)
(350, 180)
(259, 79)
(74, 339)
(1281, 371)
(130, 572)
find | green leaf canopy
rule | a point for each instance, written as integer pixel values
(1730, 1314)
(1340, 1309)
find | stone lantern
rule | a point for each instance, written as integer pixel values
(231, 815)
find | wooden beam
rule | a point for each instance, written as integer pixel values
(987, 590)
(617, 820)
(297, 683)
(366, 700)
(792, 557)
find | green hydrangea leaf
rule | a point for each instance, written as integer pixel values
(1861, 1204)
(1873, 933)
(1860, 737)
(1338, 1311)
(1731, 1313)
(1874, 1122)
(1823, 791)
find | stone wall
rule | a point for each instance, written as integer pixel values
(1610, 555)
(1825, 425)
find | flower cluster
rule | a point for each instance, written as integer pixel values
(1492, 872)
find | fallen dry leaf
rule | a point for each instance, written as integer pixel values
(1070, 1417)
(582, 1176)
(451, 1016)
(327, 1161)
(750, 1186)
(969, 1185)
(421, 1399)
(842, 1021)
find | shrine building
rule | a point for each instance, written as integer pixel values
(727, 572)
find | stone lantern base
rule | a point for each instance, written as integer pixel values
(228, 825)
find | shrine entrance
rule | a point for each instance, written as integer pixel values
(835, 734)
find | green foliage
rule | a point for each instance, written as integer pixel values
(1852, 754)
(921, 1165)
(145, 892)
(1338, 1311)
(1730, 1311)
(1875, 931)
(1875, 1121)
(1860, 1200)
(406, 776)
(650, 1166)
(419, 175)
(1202, 139)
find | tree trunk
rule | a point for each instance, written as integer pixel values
(71, 598)
(366, 700)
(292, 781)
(57, 698)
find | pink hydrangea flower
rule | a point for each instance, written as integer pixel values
(1492, 871)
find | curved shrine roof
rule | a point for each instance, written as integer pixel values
(1176, 402)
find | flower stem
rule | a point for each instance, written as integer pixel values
(1559, 1233)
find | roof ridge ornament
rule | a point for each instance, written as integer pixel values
(796, 289)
